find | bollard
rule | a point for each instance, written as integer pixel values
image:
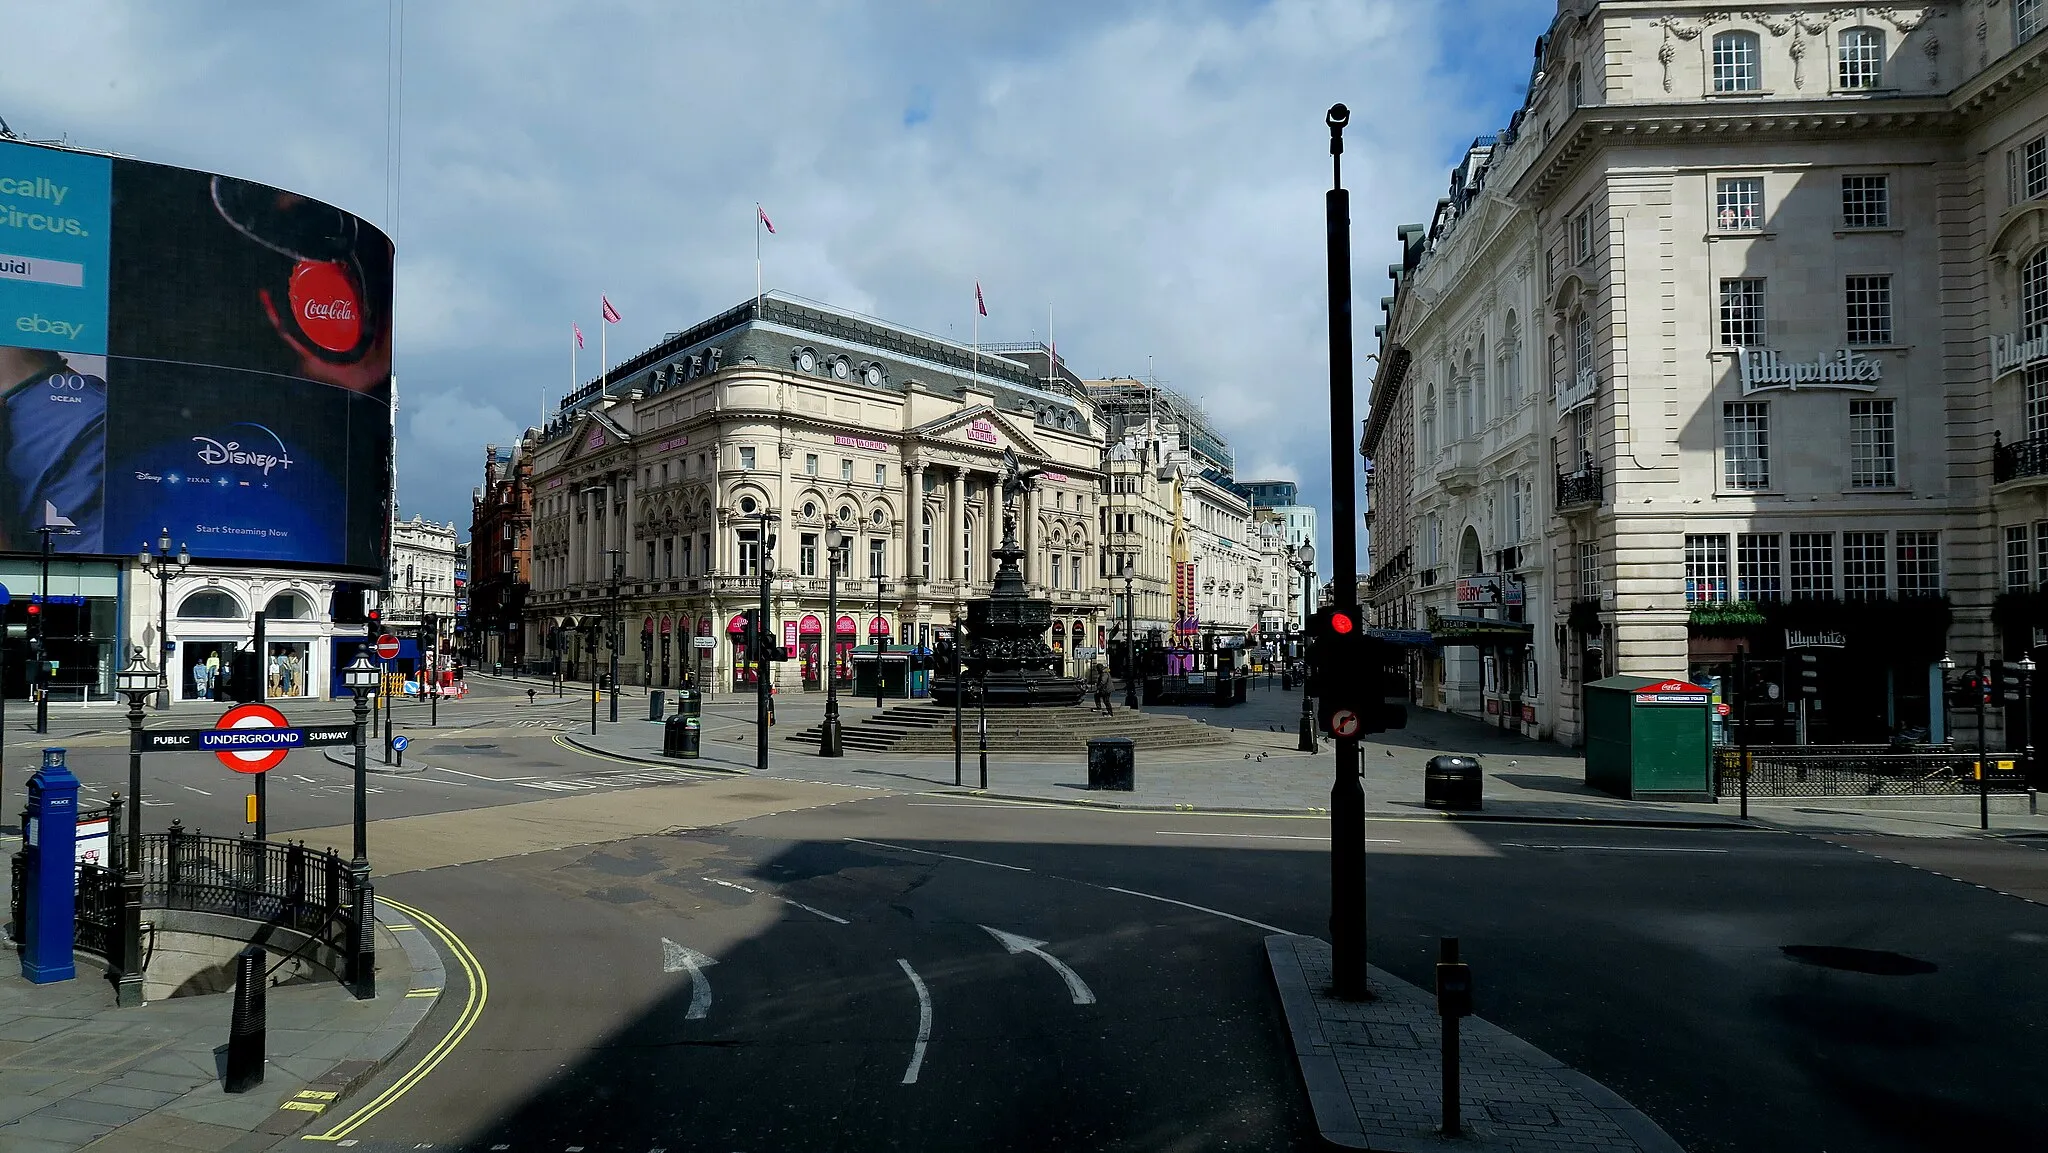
(1453, 1000)
(245, 1032)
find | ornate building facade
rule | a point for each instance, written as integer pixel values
(1778, 279)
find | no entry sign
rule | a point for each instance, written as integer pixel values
(387, 647)
(252, 738)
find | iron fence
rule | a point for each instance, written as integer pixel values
(96, 924)
(1835, 773)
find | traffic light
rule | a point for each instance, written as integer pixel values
(1802, 674)
(1354, 677)
(1968, 692)
(2005, 683)
(245, 682)
(374, 617)
(759, 642)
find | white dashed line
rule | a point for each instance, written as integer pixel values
(948, 856)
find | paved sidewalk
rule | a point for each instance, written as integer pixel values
(1374, 1073)
(76, 1073)
(1255, 766)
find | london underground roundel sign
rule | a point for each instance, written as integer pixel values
(251, 738)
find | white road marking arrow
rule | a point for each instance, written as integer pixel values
(1014, 944)
(683, 959)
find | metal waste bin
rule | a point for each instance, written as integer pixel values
(1112, 763)
(689, 703)
(1451, 782)
(680, 737)
(653, 704)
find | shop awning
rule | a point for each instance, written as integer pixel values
(1410, 638)
(1455, 630)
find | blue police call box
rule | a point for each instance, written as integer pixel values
(49, 840)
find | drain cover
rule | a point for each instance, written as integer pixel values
(1876, 962)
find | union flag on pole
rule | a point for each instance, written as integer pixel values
(979, 306)
(578, 330)
(765, 222)
(611, 315)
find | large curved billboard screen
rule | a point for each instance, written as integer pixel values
(191, 352)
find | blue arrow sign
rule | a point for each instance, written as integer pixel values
(399, 743)
(250, 740)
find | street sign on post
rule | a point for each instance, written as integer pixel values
(387, 647)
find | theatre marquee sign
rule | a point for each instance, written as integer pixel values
(1764, 370)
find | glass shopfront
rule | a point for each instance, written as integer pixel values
(80, 611)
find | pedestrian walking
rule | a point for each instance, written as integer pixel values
(1102, 700)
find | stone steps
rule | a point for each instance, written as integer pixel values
(927, 728)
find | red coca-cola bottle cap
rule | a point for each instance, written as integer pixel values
(326, 306)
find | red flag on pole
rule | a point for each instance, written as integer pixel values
(765, 222)
(579, 334)
(981, 307)
(611, 315)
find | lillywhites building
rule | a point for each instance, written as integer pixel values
(661, 493)
(1736, 336)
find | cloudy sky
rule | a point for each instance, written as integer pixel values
(1152, 170)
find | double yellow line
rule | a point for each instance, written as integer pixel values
(472, 1008)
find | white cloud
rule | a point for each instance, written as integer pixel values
(1155, 169)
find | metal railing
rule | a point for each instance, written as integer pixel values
(273, 883)
(1862, 774)
(2021, 458)
(1581, 487)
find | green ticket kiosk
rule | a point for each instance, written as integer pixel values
(1650, 739)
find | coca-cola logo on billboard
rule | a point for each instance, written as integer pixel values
(325, 305)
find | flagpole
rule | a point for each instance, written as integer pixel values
(604, 356)
(977, 334)
(757, 263)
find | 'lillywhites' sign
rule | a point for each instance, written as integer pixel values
(1764, 370)
(1795, 639)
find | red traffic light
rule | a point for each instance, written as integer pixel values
(1341, 623)
(35, 609)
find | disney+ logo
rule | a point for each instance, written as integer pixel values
(232, 452)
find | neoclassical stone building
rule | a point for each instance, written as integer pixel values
(1787, 331)
(659, 491)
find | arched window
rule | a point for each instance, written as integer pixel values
(1479, 394)
(2034, 325)
(1582, 343)
(1859, 61)
(1736, 63)
(210, 605)
(288, 606)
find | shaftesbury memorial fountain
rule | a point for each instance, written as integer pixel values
(1005, 658)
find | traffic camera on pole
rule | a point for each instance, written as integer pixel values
(1354, 677)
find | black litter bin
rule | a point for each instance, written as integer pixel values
(1111, 763)
(689, 703)
(680, 737)
(654, 704)
(1451, 782)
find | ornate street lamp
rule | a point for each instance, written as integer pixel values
(1302, 559)
(829, 744)
(137, 681)
(161, 565)
(1130, 570)
(361, 677)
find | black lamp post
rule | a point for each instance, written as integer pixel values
(881, 640)
(1302, 559)
(829, 744)
(137, 681)
(1130, 632)
(2025, 667)
(361, 679)
(618, 573)
(163, 566)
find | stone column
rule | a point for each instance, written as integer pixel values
(956, 522)
(1027, 536)
(913, 520)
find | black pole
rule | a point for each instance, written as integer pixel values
(1347, 794)
(360, 837)
(958, 688)
(1130, 634)
(2026, 765)
(1742, 726)
(762, 631)
(618, 571)
(1447, 954)
(981, 703)
(593, 708)
(1307, 724)
(40, 681)
(1983, 769)
(882, 642)
(829, 744)
(128, 983)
